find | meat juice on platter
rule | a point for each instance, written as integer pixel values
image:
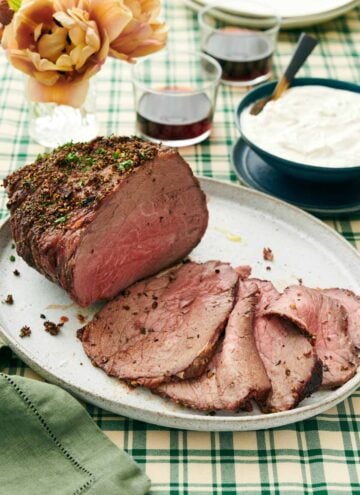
(168, 117)
(242, 57)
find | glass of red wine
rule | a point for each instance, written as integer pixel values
(241, 35)
(175, 97)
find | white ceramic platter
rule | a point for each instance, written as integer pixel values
(294, 14)
(242, 223)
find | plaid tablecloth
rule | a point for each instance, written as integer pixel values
(320, 455)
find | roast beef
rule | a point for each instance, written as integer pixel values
(164, 327)
(288, 356)
(96, 217)
(351, 303)
(235, 374)
(325, 320)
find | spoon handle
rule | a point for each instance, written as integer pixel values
(304, 47)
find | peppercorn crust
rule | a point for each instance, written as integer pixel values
(53, 188)
(61, 190)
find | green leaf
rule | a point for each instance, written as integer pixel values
(14, 4)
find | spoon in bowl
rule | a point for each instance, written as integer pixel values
(304, 47)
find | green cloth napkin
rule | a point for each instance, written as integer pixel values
(49, 445)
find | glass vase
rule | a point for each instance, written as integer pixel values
(52, 124)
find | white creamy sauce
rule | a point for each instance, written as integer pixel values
(315, 125)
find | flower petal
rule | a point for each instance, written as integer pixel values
(143, 34)
(142, 40)
(48, 77)
(21, 61)
(80, 54)
(51, 46)
(40, 64)
(145, 10)
(64, 63)
(28, 17)
(92, 36)
(63, 93)
(64, 19)
(38, 31)
(8, 40)
(111, 15)
(76, 35)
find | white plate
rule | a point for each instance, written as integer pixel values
(302, 245)
(294, 21)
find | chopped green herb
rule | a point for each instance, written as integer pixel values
(42, 156)
(72, 157)
(61, 219)
(65, 145)
(86, 168)
(116, 155)
(101, 151)
(89, 160)
(125, 165)
(12, 245)
(81, 182)
(142, 154)
(12, 258)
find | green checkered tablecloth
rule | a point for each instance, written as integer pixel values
(320, 455)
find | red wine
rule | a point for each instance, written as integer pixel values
(242, 58)
(166, 117)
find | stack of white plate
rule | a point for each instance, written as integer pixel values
(294, 14)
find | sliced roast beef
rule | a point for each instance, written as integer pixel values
(244, 271)
(325, 320)
(96, 217)
(164, 327)
(235, 374)
(351, 303)
(288, 356)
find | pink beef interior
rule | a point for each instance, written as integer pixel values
(147, 224)
(351, 303)
(325, 319)
(288, 356)
(235, 373)
(164, 326)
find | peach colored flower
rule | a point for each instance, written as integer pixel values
(60, 44)
(143, 35)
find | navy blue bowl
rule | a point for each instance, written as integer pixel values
(289, 167)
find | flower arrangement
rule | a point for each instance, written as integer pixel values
(60, 44)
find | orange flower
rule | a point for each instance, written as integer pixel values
(143, 34)
(60, 44)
